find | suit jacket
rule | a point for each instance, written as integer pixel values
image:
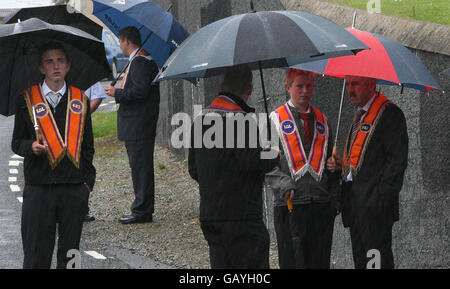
(139, 101)
(230, 179)
(37, 170)
(374, 191)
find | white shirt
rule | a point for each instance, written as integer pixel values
(366, 109)
(46, 90)
(292, 105)
(95, 91)
(133, 54)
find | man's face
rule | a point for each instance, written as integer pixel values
(123, 42)
(360, 89)
(301, 90)
(54, 65)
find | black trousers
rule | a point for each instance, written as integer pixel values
(237, 244)
(372, 233)
(140, 156)
(312, 225)
(43, 207)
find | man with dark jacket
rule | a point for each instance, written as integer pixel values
(373, 166)
(58, 168)
(230, 172)
(136, 122)
(303, 179)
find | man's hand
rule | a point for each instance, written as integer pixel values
(334, 163)
(110, 90)
(39, 149)
(289, 195)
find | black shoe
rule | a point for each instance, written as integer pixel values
(88, 218)
(132, 219)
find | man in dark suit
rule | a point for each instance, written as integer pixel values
(374, 163)
(136, 121)
(230, 173)
(58, 176)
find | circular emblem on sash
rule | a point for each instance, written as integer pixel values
(287, 127)
(320, 128)
(40, 110)
(76, 106)
(365, 127)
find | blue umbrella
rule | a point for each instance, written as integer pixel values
(161, 34)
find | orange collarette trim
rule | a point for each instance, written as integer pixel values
(75, 119)
(352, 161)
(290, 138)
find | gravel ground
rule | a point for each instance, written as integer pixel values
(174, 238)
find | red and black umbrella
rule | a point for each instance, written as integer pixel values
(386, 60)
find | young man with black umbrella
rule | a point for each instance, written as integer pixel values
(58, 169)
(302, 177)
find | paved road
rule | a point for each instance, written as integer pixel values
(11, 186)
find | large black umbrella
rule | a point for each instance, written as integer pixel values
(266, 39)
(57, 14)
(19, 51)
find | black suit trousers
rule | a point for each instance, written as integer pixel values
(237, 244)
(140, 156)
(312, 224)
(45, 206)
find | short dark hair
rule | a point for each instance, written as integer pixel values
(132, 34)
(238, 79)
(52, 45)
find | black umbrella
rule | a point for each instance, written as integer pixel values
(19, 51)
(57, 14)
(266, 39)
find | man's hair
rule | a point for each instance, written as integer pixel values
(52, 45)
(291, 73)
(132, 34)
(238, 79)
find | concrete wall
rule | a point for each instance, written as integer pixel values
(421, 237)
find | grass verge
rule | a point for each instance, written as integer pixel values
(104, 124)
(435, 11)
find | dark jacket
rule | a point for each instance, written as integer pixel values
(37, 169)
(306, 188)
(139, 101)
(230, 179)
(375, 189)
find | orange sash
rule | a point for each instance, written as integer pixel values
(223, 103)
(75, 120)
(124, 79)
(293, 147)
(353, 161)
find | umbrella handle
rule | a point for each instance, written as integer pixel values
(289, 204)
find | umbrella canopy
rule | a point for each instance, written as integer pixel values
(57, 14)
(265, 39)
(387, 60)
(160, 32)
(19, 49)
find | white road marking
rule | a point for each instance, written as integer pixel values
(14, 163)
(14, 188)
(12, 179)
(13, 171)
(95, 255)
(17, 157)
(20, 199)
